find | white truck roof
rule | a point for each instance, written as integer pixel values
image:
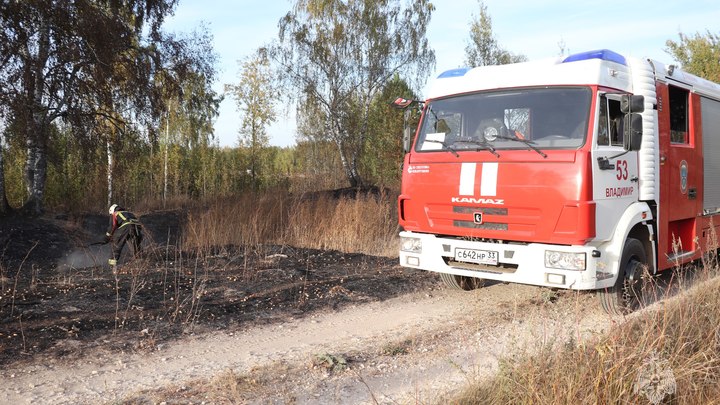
(599, 67)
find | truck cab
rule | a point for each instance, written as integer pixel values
(543, 173)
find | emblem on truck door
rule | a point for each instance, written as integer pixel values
(683, 176)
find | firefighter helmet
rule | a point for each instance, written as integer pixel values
(112, 209)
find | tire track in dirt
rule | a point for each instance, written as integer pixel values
(478, 327)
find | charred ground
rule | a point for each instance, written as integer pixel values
(53, 307)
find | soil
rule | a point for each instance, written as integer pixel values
(297, 325)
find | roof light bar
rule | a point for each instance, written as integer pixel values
(453, 73)
(602, 54)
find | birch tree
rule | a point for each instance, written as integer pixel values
(255, 96)
(85, 62)
(483, 48)
(336, 55)
(4, 206)
(698, 54)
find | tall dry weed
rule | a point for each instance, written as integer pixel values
(364, 223)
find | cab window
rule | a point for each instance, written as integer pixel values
(611, 121)
(678, 115)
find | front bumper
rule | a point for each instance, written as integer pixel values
(517, 262)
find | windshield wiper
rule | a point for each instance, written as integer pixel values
(444, 145)
(480, 146)
(530, 144)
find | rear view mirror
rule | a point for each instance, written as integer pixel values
(633, 132)
(632, 104)
(405, 104)
(402, 103)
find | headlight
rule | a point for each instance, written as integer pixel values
(412, 245)
(564, 260)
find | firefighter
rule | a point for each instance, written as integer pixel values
(124, 227)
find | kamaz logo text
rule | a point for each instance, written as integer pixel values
(472, 200)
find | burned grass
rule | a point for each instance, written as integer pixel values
(61, 311)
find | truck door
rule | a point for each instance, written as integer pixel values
(615, 171)
(680, 175)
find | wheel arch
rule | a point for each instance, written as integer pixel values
(636, 222)
(644, 233)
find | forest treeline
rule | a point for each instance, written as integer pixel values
(98, 103)
(77, 174)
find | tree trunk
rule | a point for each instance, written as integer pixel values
(165, 161)
(36, 126)
(109, 174)
(349, 167)
(354, 170)
(35, 174)
(4, 206)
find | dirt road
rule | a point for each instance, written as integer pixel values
(453, 337)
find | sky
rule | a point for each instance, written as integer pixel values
(534, 28)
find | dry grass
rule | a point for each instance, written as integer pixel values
(668, 353)
(227, 387)
(366, 223)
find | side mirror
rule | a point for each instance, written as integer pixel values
(632, 139)
(632, 104)
(405, 104)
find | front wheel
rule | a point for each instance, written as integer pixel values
(456, 282)
(626, 295)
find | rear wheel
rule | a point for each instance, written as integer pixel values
(626, 295)
(461, 282)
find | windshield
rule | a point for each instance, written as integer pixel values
(538, 118)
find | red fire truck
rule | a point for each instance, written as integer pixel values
(582, 172)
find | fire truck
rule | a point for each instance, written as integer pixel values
(585, 172)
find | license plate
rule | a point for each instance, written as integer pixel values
(476, 256)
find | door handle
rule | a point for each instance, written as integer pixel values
(604, 164)
(692, 193)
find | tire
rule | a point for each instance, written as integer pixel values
(464, 283)
(626, 295)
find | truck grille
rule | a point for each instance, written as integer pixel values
(485, 211)
(485, 225)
